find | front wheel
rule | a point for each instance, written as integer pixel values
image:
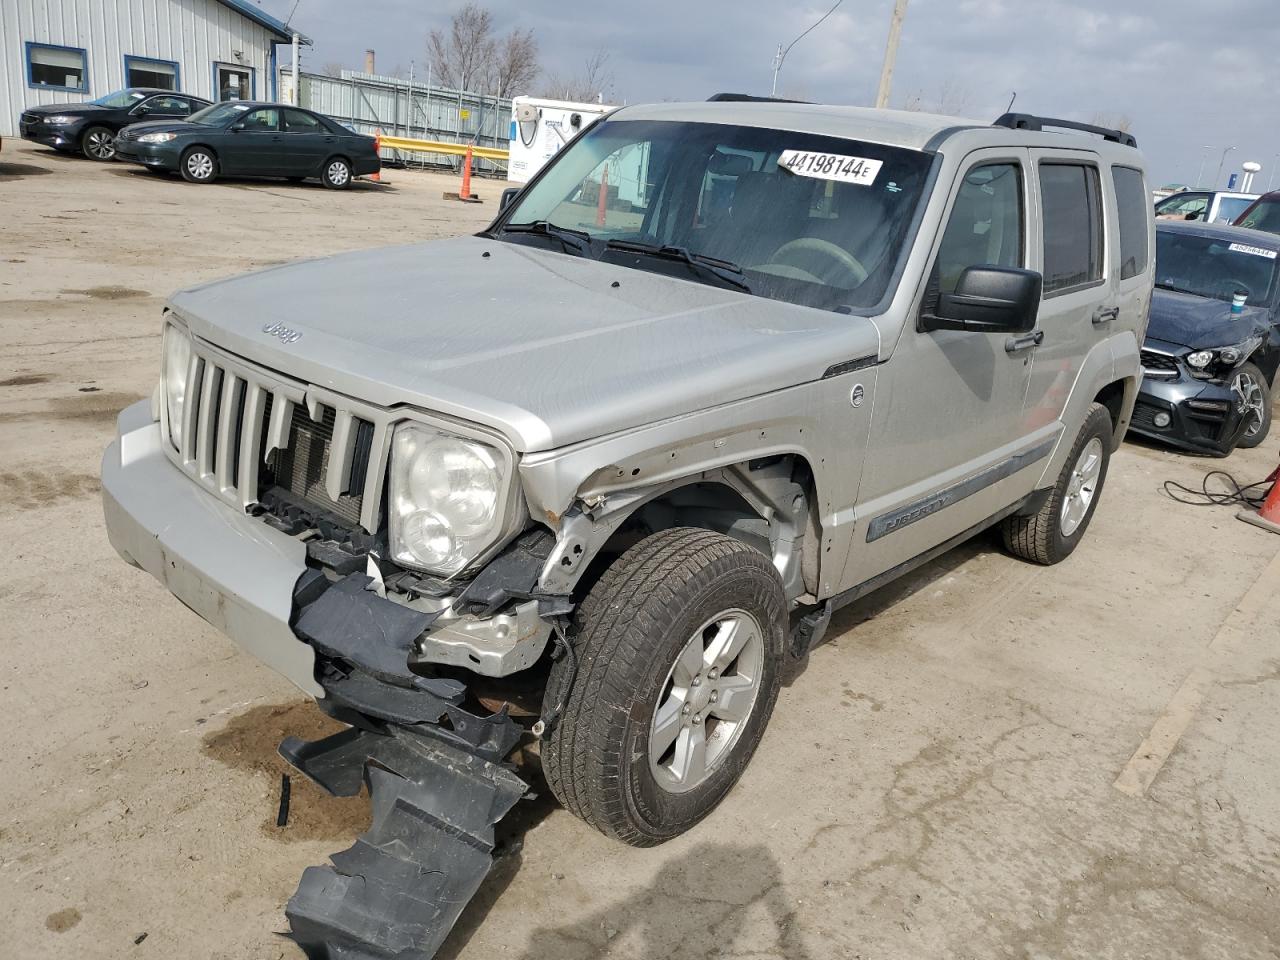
(1253, 399)
(337, 174)
(98, 143)
(678, 648)
(1050, 534)
(198, 165)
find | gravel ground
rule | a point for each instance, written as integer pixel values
(940, 783)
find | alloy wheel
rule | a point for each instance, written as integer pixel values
(101, 144)
(706, 700)
(339, 173)
(1249, 401)
(1081, 487)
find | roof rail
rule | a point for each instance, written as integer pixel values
(1029, 121)
(748, 98)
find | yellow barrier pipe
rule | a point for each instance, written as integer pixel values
(438, 146)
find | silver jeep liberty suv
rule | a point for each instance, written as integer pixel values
(592, 481)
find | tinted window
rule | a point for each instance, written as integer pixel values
(1184, 206)
(265, 119)
(1213, 267)
(1265, 215)
(1072, 225)
(985, 228)
(295, 121)
(1131, 208)
(169, 106)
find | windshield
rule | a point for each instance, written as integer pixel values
(1264, 216)
(1214, 268)
(121, 98)
(1184, 206)
(813, 220)
(218, 114)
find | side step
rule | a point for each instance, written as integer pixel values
(398, 891)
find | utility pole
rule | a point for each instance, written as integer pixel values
(781, 55)
(1217, 183)
(891, 53)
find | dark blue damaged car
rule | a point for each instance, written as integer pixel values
(1209, 363)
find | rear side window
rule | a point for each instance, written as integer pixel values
(295, 121)
(1131, 210)
(1072, 218)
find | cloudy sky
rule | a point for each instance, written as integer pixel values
(1192, 77)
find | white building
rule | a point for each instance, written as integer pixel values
(67, 51)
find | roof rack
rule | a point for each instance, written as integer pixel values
(748, 98)
(1029, 121)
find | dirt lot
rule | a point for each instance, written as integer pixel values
(940, 783)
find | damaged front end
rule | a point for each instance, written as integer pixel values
(434, 756)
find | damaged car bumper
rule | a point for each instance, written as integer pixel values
(1177, 409)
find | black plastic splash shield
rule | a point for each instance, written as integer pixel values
(398, 891)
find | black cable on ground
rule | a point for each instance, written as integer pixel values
(1235, 493)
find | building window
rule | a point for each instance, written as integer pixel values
(232, 82)
(144, 72)
(58, 68)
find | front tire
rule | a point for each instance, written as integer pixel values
(198, 165)
(98, 143)
(1052, 533)
(1253, 395)
(336, 174)
(678, 648)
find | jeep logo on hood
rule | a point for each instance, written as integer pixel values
(283, 333)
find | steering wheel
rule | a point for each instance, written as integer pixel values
(802, 253)
(1230, 285)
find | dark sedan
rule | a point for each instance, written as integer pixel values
(91, 128)
(1213, 340)
(244, 139)
(1263, 214)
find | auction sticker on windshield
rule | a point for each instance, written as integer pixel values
(830, 166)
(1256, 251)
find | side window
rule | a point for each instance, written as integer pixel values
(267, 119)
(1131, 207)
(295, 121)
(169, 106)
(1072, 218)
(985, 228)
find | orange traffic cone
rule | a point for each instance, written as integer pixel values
(1268, 515)
(376, 177)
(465, 192)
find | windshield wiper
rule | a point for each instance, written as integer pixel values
(724, 270)
(1170, 286)
(571, 239)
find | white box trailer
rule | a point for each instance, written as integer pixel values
(539, 128)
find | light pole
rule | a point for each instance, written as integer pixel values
(1203, 159)
(1218, 180)
(1272, 178)
(781, 55)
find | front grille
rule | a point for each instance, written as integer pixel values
(244, 432)
(1159, 364)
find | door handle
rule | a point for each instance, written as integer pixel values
(1032, 339)
(1105, 315)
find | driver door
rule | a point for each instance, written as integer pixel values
(253, 143)
(948, 430)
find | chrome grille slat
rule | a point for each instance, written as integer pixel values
(340, 450)
(227, 436)
(373, 476)
(195, 371)
(278, 429)
(206, 418)
(255, 401)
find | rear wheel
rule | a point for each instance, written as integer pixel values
(198, 165)
(1253, 400)
(337, 174)
(98, 143)
(1050, 534)
(678, 648)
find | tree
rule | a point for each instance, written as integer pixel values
(594, 82)
(1112, 121)
(951, 100)
(332, 69)
(470, 57)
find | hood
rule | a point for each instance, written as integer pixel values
(157, 126)
(67, 109)
(547, 348)
(1199, 322)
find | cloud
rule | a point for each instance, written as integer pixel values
(1185, 72)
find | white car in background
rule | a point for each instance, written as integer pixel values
(1205, 206)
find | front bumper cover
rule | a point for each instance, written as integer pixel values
(1203, 414)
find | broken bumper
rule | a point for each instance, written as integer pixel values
(233, 570)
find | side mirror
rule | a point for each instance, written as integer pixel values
(990, 300)
(508, 197)
(143, 110)
(237, 126)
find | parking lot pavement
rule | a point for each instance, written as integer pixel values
(942, 781)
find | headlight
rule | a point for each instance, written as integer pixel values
(177, 358)
(445, 499)
(1201, 358)
(157, 137)
(61, 118)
